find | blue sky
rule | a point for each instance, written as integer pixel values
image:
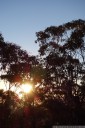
(21, 19)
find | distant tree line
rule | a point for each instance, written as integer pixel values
(57, 75)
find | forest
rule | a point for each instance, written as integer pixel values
(57, 76)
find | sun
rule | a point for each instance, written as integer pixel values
(27, 88)
(24, 88)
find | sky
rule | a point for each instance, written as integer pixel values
(21, 19)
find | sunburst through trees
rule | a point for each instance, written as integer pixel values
(56, 94)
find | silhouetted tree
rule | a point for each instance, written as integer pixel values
(63, 51)
(18, 67)
(15, 69)
(57, 97)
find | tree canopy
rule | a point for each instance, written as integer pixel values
(63, 50)
(57, 75)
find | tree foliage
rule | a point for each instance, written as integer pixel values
(63, 51)
(57, 76)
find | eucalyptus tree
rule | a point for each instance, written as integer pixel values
(63, 51)
(18, 67)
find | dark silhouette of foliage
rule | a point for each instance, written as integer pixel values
(8, 104)
(63, 51)
(57, 76)
(17, 67)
